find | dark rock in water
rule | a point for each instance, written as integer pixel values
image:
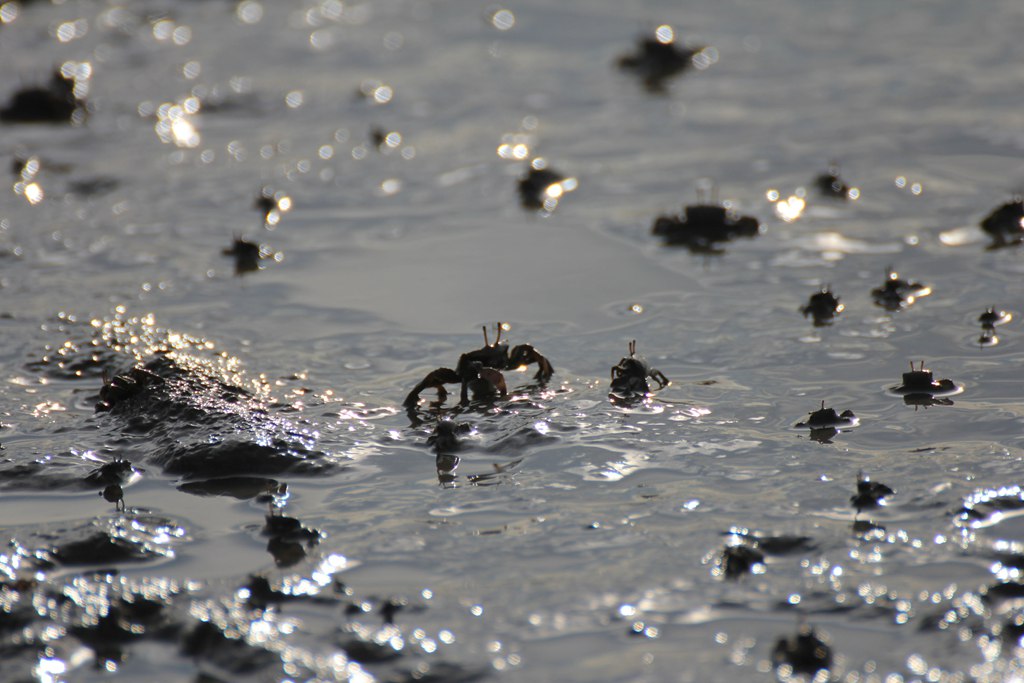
(52, 103)
(1005, 225)
(703, 226)
(630, 375)
(1012, 630)
(1004, 592)
(369, 652)
(543, 187)
(208, 642)
(229, 458)
(124, 622)
(100, 548)
(241, 487)
(441, 672)
(773, 545)
(988, 504)
(737, 560)
(92, 187)
(870, 494)
(783, 545)
(190, 419)
(804, 653)
(657, 59)
(823, 307)
(897, 293)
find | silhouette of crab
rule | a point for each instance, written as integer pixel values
(1005, 224)
(703, 226)
(479, 371)
(632, 372)
(823, 307)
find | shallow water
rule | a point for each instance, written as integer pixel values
(578, 539)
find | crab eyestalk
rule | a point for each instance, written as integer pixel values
(918, 378)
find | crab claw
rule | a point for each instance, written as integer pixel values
(436, 379)
(524, 354)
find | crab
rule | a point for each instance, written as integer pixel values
(826, 423)
(542, 187)
(993, 317)
(830, 185)
(658, 58)
(702, 226)
(804, 653)
(922, 381)
(247, 255)
(124, 387)
(921, 389)
(823, 306)
(1005, 224)
(898, 293)
(53, 103)
(870, 494)
(479, 371)
(631, 374)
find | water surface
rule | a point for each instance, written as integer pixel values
(578, 539)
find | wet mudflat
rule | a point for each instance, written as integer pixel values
(248, 231)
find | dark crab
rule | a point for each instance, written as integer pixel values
(737, 560)
(702, 226)
(826, 423)
(921, 389)
(823, 306)
(272, 204)
(828, 417)
(989, 320)
(830, 185)
(631, 374)
(542, 187)
(1005, 225)
(992, 317)
(658, 58)
(53, 103)
(804, 653)
(479, 371)
(124, 387)
(898, 293)
(870, 494)
(922, 381)
(247, 255)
